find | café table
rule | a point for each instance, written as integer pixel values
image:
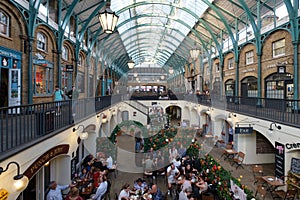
(272, 182)
(229, 154)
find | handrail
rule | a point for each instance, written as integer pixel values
(23, 126)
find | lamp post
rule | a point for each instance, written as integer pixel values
(108, 19)
(20, 181)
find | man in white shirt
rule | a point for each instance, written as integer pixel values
(109, 162)
(185, 194)
(55, 191)
(172, 174)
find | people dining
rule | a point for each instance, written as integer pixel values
(102, 188)
(140, 184)
(155, 192)
(125, 192)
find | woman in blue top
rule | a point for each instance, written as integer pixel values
(58, 96)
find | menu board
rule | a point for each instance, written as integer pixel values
(279, 160)
(295, 165)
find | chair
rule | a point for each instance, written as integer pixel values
(224, 153)
(238, 160)
(261, 192)
(257, 171)
(284, 195)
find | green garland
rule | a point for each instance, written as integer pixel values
(220, 177)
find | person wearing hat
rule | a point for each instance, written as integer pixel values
(185, 194)
(140, 184)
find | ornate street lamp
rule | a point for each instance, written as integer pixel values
(194, 52)
(108, 19)
(130, 64)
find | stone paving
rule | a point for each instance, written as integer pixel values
(128, 172)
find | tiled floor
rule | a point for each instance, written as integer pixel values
(128, 171)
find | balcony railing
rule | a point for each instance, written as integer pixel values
(23, 126)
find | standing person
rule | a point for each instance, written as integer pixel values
(55, 191)
(172, 174)
(58, 95)
(102, 188)
(73, 95)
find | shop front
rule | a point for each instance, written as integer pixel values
(10, 78)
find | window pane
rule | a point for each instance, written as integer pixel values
(42, 80)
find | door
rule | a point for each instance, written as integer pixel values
(14, 89)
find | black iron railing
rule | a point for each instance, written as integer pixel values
(23, 126)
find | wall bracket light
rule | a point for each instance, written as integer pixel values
(230, 115)
(21, 181)
(84, 134)
(103, 119)
(271, 127)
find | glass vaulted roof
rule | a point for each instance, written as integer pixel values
(153, 30)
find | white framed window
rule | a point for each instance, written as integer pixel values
(4, 24)
(249, 57)
(207, 70)
(278, 48)
(80, 60)
(65, 53)
(230, 63)
(41, 43)
(42, 79)
(217, 67)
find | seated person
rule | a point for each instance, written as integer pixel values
(140, 184)
(155, 192)
(201, 184)
(185, 194)
(125, 192)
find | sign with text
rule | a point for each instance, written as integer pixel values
(295, 165)
(43, 159)
(69, 68)
(243, 130)
(3, 194)
(279, 160)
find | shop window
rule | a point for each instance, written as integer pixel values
(229, 88)
(65, 53)
(4, 24)
(80, 82)
(217, 66)
(230, 63)
(41, 41)
(207, 70)
(249, 57)
(80, 60)
(42, 80)
(275, 89)
(279, 48)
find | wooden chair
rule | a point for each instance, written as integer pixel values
(284, 195)
(258, 173)
(261, 192)
(224, 153)
(239, 159)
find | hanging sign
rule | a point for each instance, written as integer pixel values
(3, 194)
(279, 160)
(243, 130)
(69, 68)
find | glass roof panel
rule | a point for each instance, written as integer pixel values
(156, 20)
